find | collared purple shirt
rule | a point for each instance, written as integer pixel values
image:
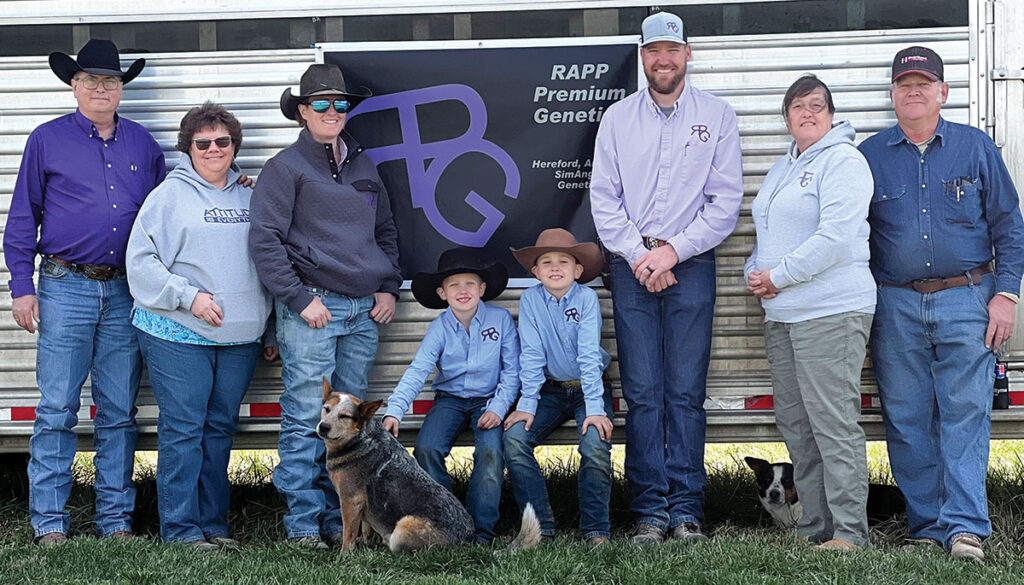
(80, 193)
(677, 178)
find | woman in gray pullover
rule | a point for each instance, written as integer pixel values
(200, 311)
(810, 272)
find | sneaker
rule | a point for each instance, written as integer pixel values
(598, 540)
(203, 546)
(225, 542)
(51, 539)
(689, 532)
(968, 547)
(838, 544)
(312, 542)
(647, 534)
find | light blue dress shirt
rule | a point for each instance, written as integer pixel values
(483, 363)
(561, 341)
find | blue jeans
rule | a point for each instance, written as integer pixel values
(449, 416)
(664, 345)
(557, 405)
(198, 389)
(935, 381)
(343, 353)
(84, 330)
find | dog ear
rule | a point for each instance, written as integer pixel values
(327, 388)
(756, 464)
(368, 409)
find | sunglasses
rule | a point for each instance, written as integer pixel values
(321, 106)
(220, 141)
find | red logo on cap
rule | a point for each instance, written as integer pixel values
(914, 58)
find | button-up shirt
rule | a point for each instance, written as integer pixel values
(941, 213)
(483, 363)
(677, 178)
(561, 341)
(80, 192)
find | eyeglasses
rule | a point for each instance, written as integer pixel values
(321, 106)
(813, 107)
(220, 141)
(90, 82)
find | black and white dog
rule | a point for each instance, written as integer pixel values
(777, 492)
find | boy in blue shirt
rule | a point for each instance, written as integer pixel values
(561, 367)
(476, 351)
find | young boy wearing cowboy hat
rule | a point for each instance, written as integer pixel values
(561, 367)
(476, 351)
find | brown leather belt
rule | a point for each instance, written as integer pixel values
(101, 272)
(932, 285)
(652, 243)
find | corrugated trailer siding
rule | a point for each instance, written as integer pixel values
(752, 73)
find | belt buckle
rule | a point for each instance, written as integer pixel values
(650, 243)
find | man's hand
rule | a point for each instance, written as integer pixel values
(270, 353)
(26, 312)
(602, 423)
(390, 425)
(316, 314)
(383, 307)
(1001, 312)
(517, 417)
(488, 420)
(245, 181)
(760, 284)
(207, 310)
(654, 265)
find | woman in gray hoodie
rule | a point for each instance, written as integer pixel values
(810, 272)
(200, 311)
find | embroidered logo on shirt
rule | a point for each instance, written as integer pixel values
(805, 179)
(572, 314)
(490, 333)
(701, 131)
(216, 215)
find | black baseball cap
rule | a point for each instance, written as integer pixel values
(917, 60)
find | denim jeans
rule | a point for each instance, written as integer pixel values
(84, 330)
(557, 405)
(935, 381)
(449, 416)
(198, 389)
(816, 366)
(343, 353)
(664, 348)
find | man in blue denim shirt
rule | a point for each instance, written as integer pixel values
(943, 203)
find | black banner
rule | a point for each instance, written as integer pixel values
(485, 147)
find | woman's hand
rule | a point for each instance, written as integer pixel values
(207, 310)
(316, 315)
(760, 284)
(270, 353)
(383, 307)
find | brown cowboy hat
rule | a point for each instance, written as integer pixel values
(588, 254)
(319, 79)
(98, 57)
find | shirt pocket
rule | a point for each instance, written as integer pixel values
(961, 200)
(890, 207)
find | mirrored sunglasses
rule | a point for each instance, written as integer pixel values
(220, 141)
(321, 106)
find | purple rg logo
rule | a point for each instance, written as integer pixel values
(425, 163)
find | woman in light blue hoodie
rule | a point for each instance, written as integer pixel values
(200, 312)
(810, 272)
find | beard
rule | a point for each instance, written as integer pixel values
(666, 88)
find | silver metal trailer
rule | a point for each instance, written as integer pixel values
(983, 66)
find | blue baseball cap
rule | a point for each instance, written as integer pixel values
(662, 26)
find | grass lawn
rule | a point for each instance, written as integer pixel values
(744, 549)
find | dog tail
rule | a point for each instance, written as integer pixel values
(529, 531)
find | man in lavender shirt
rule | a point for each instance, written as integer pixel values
(666, 189)
(83, 177)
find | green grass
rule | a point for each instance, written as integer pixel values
(745, 549)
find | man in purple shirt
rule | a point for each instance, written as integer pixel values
(83, 177)
(666, 189)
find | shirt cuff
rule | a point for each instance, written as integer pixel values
(595, 407)
(1011, 296)
(395, 412)
(21, 287)
(683, 247)
(527, 404)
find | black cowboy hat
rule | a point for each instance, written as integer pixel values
(319, 79)
(459, 261)
(98, 57)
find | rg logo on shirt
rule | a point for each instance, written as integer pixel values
(572, 314)
(490, 333)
